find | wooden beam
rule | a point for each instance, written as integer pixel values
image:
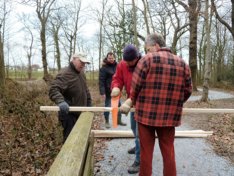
(207, 110)
(103, 109)
(77, 108)
(129, 134)
(71, 158)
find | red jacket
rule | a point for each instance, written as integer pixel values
(161, 83)
(122, 77)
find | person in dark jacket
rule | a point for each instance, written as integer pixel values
(105, 78)
(69, 88)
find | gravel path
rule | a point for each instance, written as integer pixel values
(194, 156)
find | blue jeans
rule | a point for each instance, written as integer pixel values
(107, 104)
(134, 128)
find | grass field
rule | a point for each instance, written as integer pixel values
(22, 75)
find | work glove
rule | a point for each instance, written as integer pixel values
(63, 107)
(126, 106)
(115, 92)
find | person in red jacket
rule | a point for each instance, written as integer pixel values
(122, 78)
(161, 84)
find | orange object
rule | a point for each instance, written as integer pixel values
(114, 105)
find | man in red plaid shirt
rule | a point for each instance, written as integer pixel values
(161, 84)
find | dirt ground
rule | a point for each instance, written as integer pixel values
(222, 125)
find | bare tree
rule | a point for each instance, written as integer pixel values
(2, 64)
(193, 9)
(225, 23)
(119, 31)
(145, 12)
(220, 45)
(100, 21)
(161, 17)
(43, 10)
(228, 26)
(29, 40)
(179, 26)
(207, 75)
(150, 16)
(201, 48)
(29, 50)
(3, 17)
(70, 27)
(55, 31)
(134, 18)
(56, 22)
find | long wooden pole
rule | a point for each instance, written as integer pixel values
(129, 134)
(103, 109)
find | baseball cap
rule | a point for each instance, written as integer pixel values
(81, 56)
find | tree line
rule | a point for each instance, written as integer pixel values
(203, 28)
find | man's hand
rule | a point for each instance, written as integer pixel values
(64, 107)
(126, 106)
(115, 92)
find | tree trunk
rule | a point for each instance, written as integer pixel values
(225, 23)
(135, 24)
(208, 57)
(43, 51)
(200, 55)
(193, 18)
(2, 65)
(57, 48)
(29, 55)
(100, 48)
(145, 16)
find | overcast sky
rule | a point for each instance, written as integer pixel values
(16, 54)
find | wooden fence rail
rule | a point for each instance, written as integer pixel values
(75, 156)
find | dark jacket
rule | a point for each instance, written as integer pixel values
(105, 77)
(70, 86)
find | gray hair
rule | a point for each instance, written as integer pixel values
(153, 39)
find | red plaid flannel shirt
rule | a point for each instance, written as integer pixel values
(161, 83)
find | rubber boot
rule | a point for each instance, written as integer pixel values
(120, 121)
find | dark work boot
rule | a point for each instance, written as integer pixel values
(107, 124)
(120, 121)
(134, 168)
(132, 150)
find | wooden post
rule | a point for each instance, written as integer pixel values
(88, 169)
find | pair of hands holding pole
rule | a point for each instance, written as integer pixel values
(126, 106)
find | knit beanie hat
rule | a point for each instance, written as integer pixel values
(130, 53)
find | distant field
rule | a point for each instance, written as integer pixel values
(22, 75)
